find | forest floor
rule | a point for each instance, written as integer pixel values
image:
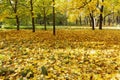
(70, 55)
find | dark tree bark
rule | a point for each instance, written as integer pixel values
(101, 17)
(80, 21)
(44, 16)
(44, 19)
(15, 9)
(92, 21)
(32, 15)
(17, 23)
(66, 22)
(109, 21)
(104, 20)
(87, 20)
(118, 19)
(76, 22)
(113, 18)
(54, 29)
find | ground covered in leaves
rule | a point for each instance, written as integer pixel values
(70, 55)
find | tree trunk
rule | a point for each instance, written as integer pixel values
(113, 18)
(44, 19)
(118, 20)
(92, 21)
(32, 15)
(109, 21)
(101, 17)
(104, 20)
(17, 23)
(80, 21)
(85, 21)
(66, 21)
(33, 24)
(17, 18)
(44, 11)
(54, 30)
(15, 8)
(76, 22)
(101, 20)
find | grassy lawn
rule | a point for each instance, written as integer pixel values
(70, 55)
(37, 27)
(61, 27)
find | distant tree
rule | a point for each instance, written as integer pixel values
(93, 12)
(101, 15)
(44, 8)
(32, 15)
(54, 29)
(92, 20)
(62, 6)
(14, 5)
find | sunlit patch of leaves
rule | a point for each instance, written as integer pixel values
(77, 54)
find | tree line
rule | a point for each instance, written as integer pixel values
(63, 12)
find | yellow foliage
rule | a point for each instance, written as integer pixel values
(72, 18)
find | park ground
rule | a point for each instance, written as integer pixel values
(80, 54)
